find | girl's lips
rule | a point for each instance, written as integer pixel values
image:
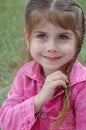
(52, 58)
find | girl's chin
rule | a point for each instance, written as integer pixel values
(50, 69)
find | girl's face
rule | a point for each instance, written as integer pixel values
(52, 47)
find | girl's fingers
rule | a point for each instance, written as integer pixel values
(58, 83)
(59, 76)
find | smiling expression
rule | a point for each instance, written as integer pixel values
(52, 47)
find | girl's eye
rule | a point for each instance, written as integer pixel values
(42, 36)
(63, 37)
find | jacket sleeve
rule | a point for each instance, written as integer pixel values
(80, 106)
(17, 113)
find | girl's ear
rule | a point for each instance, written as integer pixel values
(26, 38)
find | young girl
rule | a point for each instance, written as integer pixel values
(49, 92)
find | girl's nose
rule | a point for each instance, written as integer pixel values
(52, 47)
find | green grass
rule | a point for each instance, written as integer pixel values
(82, 56)
(12, 49)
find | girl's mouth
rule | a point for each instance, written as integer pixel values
(52, 59)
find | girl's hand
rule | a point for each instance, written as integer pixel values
(52, 83)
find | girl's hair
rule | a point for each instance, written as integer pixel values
(65, 13)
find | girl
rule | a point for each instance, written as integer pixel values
(49, 92)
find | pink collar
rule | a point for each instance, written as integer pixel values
(33, 70)
(78, 73)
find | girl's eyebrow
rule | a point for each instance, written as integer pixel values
(40, 32)
(67, 33)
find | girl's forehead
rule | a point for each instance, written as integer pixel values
(44, 23)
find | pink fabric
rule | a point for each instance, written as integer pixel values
(17, 112)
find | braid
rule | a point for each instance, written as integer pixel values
(66, 101)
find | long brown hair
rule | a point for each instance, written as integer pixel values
(65, 13)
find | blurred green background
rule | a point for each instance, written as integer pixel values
(13, 52)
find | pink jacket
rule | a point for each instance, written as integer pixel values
(17, 112)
